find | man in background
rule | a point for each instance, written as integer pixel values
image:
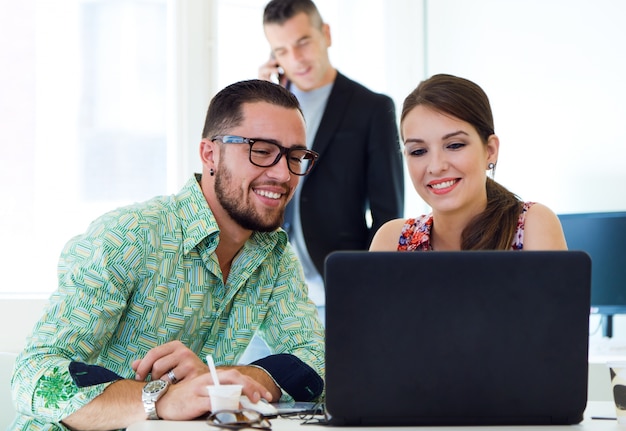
(353, 129)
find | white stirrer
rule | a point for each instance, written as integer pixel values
(211, 364)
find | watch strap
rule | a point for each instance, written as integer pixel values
(151, 393)
(150, 408)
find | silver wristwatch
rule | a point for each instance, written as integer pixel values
(152, 391)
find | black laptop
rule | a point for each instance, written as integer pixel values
(457, 338)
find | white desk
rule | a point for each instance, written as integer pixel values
(602, 350)
(594, 408)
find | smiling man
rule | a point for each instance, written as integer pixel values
(149, 290)
(358, 183)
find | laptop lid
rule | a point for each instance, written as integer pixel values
(457, 338)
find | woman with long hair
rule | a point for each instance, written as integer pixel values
(450, 146)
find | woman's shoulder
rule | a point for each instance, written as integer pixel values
(391, 234)
(405, 226)
(537, 210)
(386, 237)
(542, 229)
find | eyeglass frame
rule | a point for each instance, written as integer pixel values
(260, 423)
(281, 151)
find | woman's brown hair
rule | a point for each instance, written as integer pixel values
(495, 227)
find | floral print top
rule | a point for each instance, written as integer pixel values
(415, 234)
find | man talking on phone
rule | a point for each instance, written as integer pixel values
(353, 129)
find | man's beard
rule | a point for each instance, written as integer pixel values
(233, 203)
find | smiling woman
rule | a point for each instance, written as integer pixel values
(450, 143)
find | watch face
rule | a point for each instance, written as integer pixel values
(154, 386)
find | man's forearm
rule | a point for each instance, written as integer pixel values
(117, 407)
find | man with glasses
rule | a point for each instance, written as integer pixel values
(266, 153)
(153, 288)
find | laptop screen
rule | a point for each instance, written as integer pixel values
(459, 338)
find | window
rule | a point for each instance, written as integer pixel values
(104, 102)
(84, 124)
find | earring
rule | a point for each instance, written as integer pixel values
(211, 172)
(492, 168)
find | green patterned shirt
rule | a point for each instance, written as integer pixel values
(147, 274)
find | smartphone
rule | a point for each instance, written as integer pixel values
(280, 77)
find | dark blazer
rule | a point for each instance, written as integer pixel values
(359, 168)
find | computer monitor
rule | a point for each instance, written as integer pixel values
(603, 236)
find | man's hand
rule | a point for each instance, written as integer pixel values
(183, 363)
(173, 356)
(120, 405)
(190, 398)
(259, 375)
(271, 71)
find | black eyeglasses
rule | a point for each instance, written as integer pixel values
(239, 419)
(266, 153)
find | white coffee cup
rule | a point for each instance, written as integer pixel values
(224, 397)
(618, 387)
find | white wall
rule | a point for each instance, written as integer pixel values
(17, 318)
(555, 77)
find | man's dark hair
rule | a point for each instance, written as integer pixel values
(225, 110)
(279, 11)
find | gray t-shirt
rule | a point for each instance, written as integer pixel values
(313, 104)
